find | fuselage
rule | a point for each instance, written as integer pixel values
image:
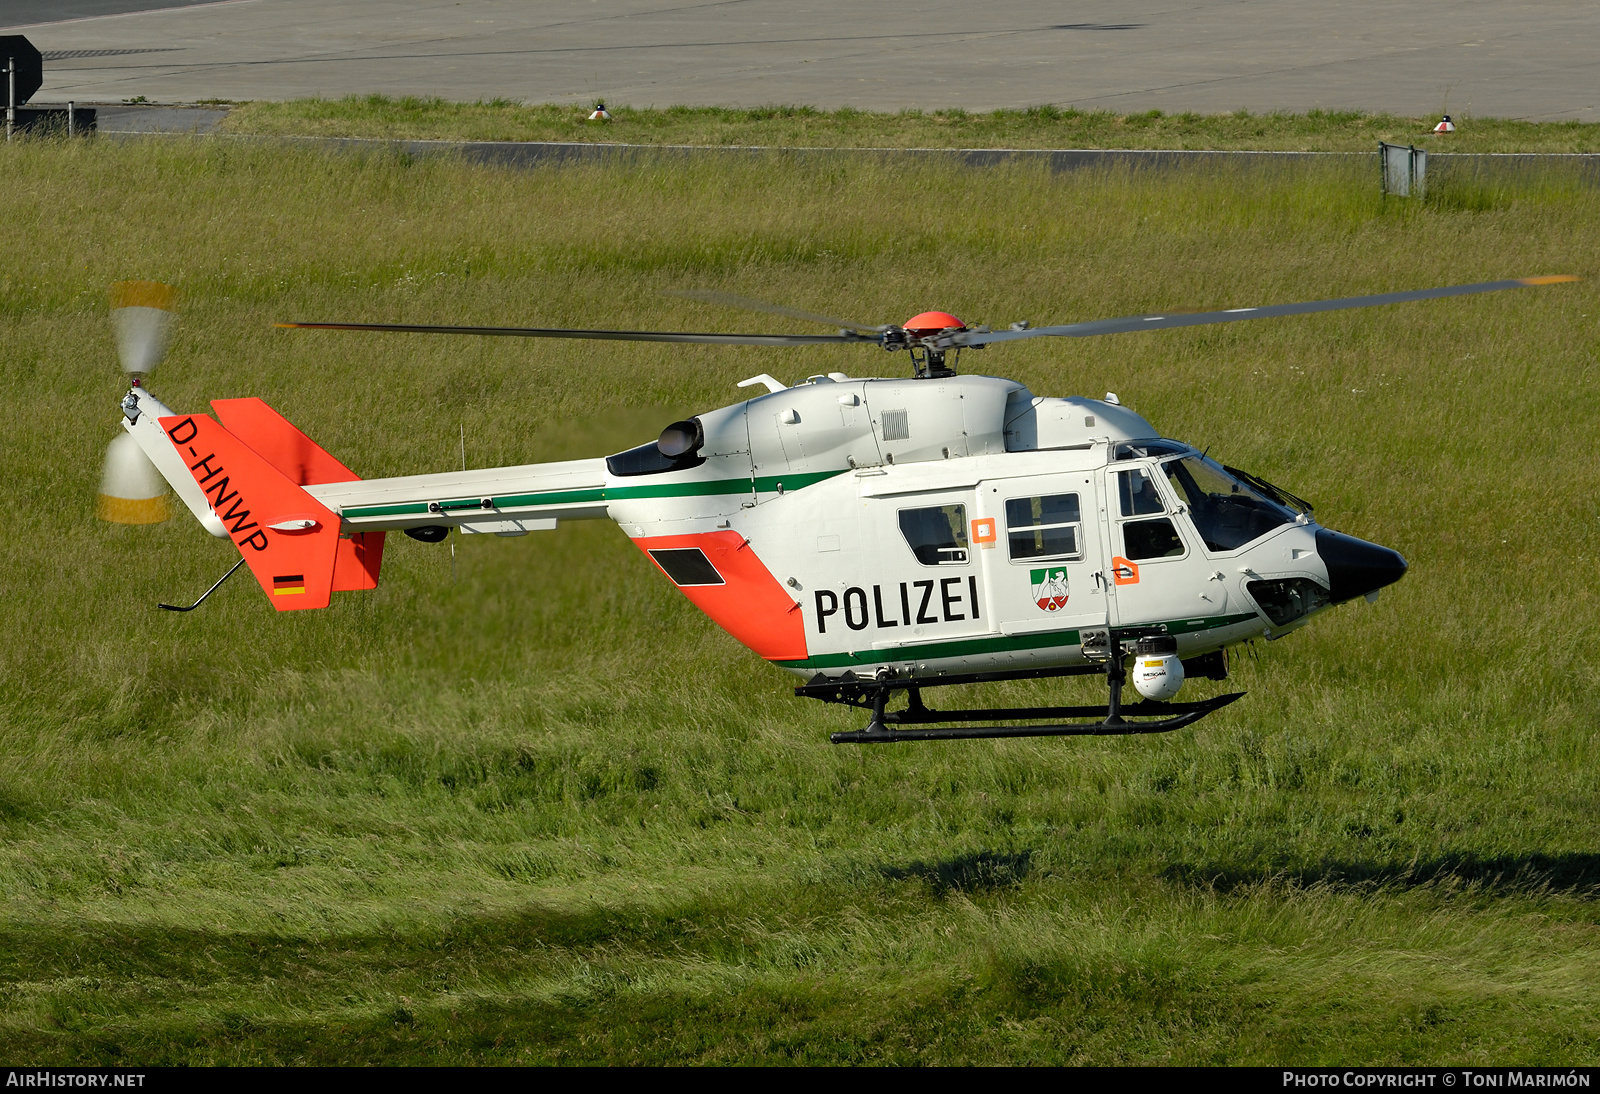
(924, 527)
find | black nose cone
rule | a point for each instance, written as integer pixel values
(1356, 567)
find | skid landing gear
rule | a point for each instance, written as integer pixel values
(1113, 719)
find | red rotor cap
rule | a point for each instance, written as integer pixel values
(932, 322)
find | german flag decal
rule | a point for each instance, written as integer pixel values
(288, 584)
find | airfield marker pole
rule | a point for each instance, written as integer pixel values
(11, 96)
(71, 130)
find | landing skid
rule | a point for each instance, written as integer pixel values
(1112, 720)
(1178, 716)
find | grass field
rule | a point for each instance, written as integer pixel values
(534, 808)
(798, 126)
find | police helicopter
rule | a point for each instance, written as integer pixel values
(872, 536)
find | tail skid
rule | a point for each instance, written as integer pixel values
(214, 587)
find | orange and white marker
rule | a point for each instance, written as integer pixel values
(1445, 125)
(599, 114)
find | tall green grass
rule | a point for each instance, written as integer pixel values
(532, 807)
(1045, 126)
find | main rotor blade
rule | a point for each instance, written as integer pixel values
(1197, 319)
(606, 335)
(731, 300)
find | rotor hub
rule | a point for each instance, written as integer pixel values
(922, 336)
(932, 322)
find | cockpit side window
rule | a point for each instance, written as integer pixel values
(1142, 539)
(1138, 493)
(937, 535)
(1226, 512)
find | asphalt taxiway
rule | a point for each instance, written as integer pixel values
(1506, 58)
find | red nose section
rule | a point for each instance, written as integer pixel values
(932, 322)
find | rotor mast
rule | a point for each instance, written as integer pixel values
(930, 338)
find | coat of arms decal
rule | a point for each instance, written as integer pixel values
(1049, 588)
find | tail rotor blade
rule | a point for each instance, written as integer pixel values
(141, 314)
(131, 489)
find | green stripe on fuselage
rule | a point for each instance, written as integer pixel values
(766, 484)
(998, 643)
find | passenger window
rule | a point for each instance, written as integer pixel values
(1046, 527)
(1139, 496)
(937, 535)
(1150, 539)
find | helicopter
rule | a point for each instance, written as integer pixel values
(876, 537)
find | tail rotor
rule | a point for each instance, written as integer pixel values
(132, 491)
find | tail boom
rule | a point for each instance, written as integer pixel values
(502, 500)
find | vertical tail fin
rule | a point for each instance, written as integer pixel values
(275, 439)
(286, 536)
(299, 459)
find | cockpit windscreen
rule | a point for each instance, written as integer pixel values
(1227, 512)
